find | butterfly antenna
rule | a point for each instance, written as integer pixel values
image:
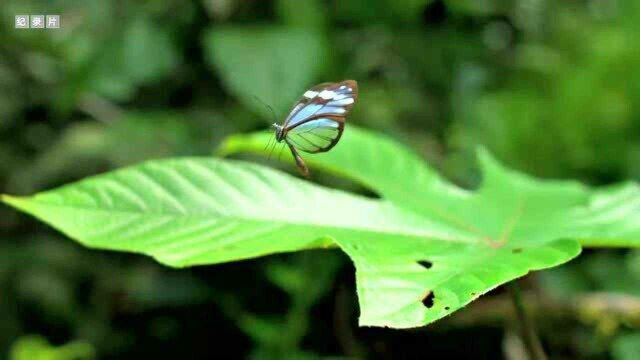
(273, 113)
(275, 119)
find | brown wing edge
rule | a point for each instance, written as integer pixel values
(353, 84)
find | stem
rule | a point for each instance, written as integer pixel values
(528, 332)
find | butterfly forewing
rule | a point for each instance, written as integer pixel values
(317, 120)
(317, 135)
(334, 99)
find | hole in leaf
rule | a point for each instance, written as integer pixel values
(428, 300)
(447, 308)
(425, 264)
(516, 250)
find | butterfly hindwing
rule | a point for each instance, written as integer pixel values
(316, 135)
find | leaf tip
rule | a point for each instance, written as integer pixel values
(8, 199)
(17, 202)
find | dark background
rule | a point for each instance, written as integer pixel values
(550, 87)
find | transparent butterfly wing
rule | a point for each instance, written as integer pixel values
(327, 99)
(316, 122)
(317, 135)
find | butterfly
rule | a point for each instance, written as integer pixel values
(316, 122)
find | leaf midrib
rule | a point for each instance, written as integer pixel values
(236, 218)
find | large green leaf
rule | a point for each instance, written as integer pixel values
(426, 249)
(516, 223)
(202, 211)
(508, 205)
(271, 65)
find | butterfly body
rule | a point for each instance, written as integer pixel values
(316, 122)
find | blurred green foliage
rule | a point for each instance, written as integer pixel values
(37, 348)
(550, 87)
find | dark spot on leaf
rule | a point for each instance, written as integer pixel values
(425, 264)
(473, 294)
(428, 299)
(447, 308)
(516, 250)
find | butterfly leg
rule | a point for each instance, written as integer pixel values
(299, 162)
